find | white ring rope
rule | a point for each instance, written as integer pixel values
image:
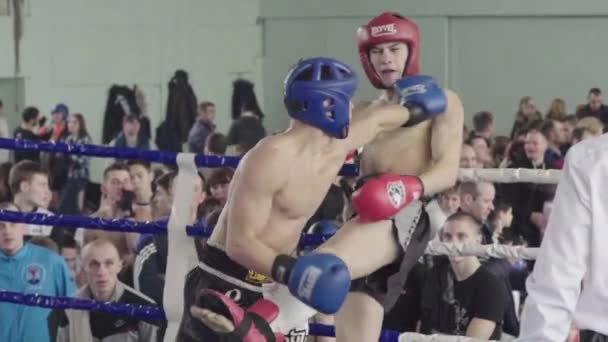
(494, 250)
(510, 175)
(181, 253)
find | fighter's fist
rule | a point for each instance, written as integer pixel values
(422, 96)
(319, 280)
(382, 197)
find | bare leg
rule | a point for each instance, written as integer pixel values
(359, 319)
(364, 247)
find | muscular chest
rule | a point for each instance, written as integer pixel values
(405, 151)
(307, 186)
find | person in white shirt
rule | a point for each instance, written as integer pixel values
(29, 184)
(569, 280)
(441, 207)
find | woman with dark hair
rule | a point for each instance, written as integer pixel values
(77, 167)
(247, 128)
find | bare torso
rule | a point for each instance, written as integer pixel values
(309, 169)
(428, 149)
(405, 151)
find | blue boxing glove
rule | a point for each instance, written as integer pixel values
(321, 281)
(422, 96)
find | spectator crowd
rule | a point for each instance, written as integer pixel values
(443, 295)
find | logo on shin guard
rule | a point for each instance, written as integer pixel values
(396, 193)
(308, 282)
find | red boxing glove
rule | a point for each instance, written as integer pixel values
(252, 325)
(382, 197)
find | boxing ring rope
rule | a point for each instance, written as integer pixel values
(510, 175)
(188, 165)
(160, 227)
(163, 157)
(156, 313)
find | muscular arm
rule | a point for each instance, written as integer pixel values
(259, 177)
(446, 142)
(480, 328)
(373, 120)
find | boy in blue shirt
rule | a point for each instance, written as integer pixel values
(29, 269)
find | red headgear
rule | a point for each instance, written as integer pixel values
(385, 28)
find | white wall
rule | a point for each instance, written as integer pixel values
(74, 50)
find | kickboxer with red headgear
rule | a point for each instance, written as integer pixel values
(398, 168)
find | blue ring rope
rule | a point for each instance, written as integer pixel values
(122, 225)
(164, 157)
(142, 312)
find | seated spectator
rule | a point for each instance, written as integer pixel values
(29, 183)
(78, 168)
(162, 199)
(219, 182)
(499, 219)
(526, 114)
(131, 135)
(202, 128)
(568, 125)
(30, 118)
(216, 145)
(595, 107)
(141, 179)
(151, 259)
(580, 133)
(468, 157)
(481, 146)
(477, 200)
(441, 207)
(553, 132)
(70, 251)
(101, 264)
(483, 125)
(29, 269)
(463, 299)
(595, 126)
(557, 110)
(116, 203)
(528, 198)
(499, 150)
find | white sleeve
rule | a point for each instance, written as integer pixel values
(555, 284)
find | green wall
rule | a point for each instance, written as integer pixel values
(491, 52)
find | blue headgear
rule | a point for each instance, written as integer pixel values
(310, 83)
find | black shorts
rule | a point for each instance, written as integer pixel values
(218, 272)
(412, 229)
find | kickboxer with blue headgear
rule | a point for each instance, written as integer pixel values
(318, 93)
(276, 189)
